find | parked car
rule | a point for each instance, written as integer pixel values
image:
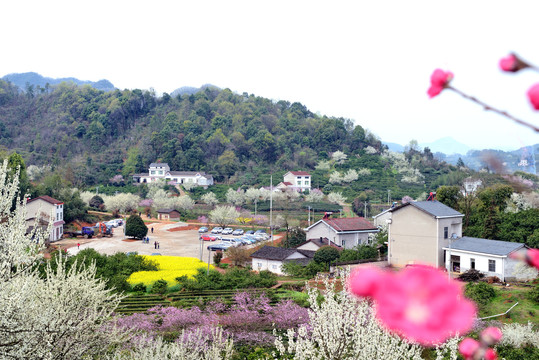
(231, 241)
(217, 230)
(249, 232)
(237, 232)
(111, 223)
(249, 238)
(227, 231)
(203, 229)
(119, 222)
(260, 232)
(208, 237)
(220, 246)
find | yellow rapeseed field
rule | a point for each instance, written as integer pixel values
(170, 267)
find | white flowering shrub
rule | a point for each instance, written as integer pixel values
(36, 173)
(335, 177)
(342, 327)
(323, 165)
(194, 346)
(121, 202)
(370, 150)
(409, 174)
(235, 197)
(183, 203)
(364, 172)
(209, 199)
(339, 157)
(252, 195)
(519, 335)
(86, 196)
(224, 215)
(314, 195)
(188, 186)
(337, 198)
(350, 176)
(448, 350)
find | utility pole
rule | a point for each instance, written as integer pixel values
(365, 212)
(256, 200)
(271, 209)
(388, 197)
(208, 272)
(309, 216)
(201, 246)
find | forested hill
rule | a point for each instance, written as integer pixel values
(94, 135)
(33, 82)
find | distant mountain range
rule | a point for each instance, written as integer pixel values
(21, 80)
(189, 90)
(449, 150)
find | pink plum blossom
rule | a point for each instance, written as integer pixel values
(468, 347)
(490, 354)
(533, 96)
(509, 63)
(491, 335)
(419, 303)
(532, 257)
(439, 80)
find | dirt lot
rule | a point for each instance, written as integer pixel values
(171, 242)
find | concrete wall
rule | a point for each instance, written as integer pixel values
(308, 246)
(273, 266)
(481, 262)
(351, 240)
(47, 210)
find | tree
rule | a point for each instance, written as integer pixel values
(449, 195)
(296, 236)
(336, 197)
(209, 199)
(71, 324)
(326, 254)
(135, 227)
(239, 255)
(224, 215)
(96, 202)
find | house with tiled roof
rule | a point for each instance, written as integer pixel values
(161, 171)
(41, 211)
(491, 257)
(296, 180)
(315, 244)
(168, 214)
(345, 232)
(418, 231)
(272, 258)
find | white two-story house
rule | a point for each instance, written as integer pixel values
(161, 171)
(296, 180)
(39, 212)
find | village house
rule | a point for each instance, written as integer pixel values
(345, 232)
(380, 220)
(296, 180)
(161, 171)
(41, 211)
(272, 258)
(315, 244)
(419, 230)
(168, 214)
(490, 257)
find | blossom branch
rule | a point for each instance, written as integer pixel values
(490, 108)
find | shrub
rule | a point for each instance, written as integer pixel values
(361, 252)
(140, 287)
(159, 287)
(482, 293)
(96, 202)
(471, 275)
(326, 254)
(533, 295)
(217, 257)
(135, 227)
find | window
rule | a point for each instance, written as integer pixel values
(306, 182)
(299, 182)
(492, 265)
(152, 172)
(472, 263)
(343, 243)
(259, 265)
(274, 267)
(160, 172)
(446, 232)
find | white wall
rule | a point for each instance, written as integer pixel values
(273, 266)
(481, 262)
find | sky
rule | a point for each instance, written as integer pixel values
(369, 61)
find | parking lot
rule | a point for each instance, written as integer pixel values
(172, 243)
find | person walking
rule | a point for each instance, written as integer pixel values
(78, 246)
(158, 245)
(152, 229)
(155, 245)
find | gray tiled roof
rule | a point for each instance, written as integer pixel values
(158, 165)
(434, 208)
(484, 246)
(278, 253)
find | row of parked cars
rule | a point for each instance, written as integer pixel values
(249, 237)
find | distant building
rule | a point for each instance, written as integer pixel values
(296, 180)
(161, 171)
(470, 185)
(272, 258)
(41, 211)
(490, 257)
(380, 220)
(345, 232)
(168, 214)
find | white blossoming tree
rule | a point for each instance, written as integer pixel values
(121, 202)
(183, 203)
(209, 199)
(335, 177)
(315, 195)
(224, 215)
(342, 327)
(350, 176)
(337, 198)
(235, 197)
(61, 316)
(339, 157)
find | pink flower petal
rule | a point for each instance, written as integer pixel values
(422, 305)
(365, 282)
(509, 63)
(468, 347)
(533, 96)
(491, 335)
(438, 81)
(490, 354)
(532, 257)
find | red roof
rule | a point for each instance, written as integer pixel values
(350, 224)
(287, 183)
(47, 199)
(299, 173)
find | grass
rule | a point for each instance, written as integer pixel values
(506, 297)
